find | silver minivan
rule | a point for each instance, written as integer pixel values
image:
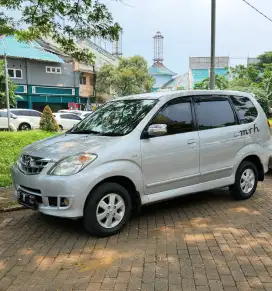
(143, 149)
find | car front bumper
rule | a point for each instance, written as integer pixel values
(50, 190)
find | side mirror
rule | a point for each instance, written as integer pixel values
(157, 130)
(13, 116)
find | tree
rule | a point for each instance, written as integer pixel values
(264, 59)
(129, 77)
(220, 83)
(65, 21)
(48, 122)
(11, 86)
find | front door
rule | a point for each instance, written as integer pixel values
(219, 137)
(172, 161)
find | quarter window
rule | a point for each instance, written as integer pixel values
(15, 73)
(214, 114)
(177, 116)
(245, 109)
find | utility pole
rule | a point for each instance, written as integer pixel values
(213, 30)
(6, 80)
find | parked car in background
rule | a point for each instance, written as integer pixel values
(16, 123)
(32, 117)
(66, 121)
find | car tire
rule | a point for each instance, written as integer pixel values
(24, 127)
(60, 128)
(107, 210)
(246, 181)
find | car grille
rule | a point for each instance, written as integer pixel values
(32, 165)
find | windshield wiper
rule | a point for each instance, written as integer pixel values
(85, 131)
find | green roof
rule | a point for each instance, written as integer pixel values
(158, 68)
(26, 50)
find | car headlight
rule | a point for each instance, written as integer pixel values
(72, 165)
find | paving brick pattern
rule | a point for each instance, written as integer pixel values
(202, 242)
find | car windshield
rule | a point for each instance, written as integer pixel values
(115, 117)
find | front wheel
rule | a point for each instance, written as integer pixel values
(107, 210)
(246, 181)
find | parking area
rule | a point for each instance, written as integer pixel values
(201, 242)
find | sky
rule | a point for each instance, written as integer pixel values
(185, 24)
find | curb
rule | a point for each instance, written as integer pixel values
(13, 208)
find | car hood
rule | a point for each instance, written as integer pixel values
(65, 145)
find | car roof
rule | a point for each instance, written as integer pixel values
(23, 109)
(181, 93)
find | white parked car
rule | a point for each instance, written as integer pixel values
(16, 123)
(32, 117)
(66, 121)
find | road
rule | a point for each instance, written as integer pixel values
(200, 242)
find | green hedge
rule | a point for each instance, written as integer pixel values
(11, 144)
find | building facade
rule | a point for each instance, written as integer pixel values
(44, 75)
(199, 68)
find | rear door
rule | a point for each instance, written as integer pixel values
(35, 118)
(69, 120)
(219, 136)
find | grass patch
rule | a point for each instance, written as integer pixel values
(11, 144)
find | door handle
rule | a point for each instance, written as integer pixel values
(236, 134)
(191, 142)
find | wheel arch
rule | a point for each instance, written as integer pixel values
(24, 122)
(127, 183)
(257, 162)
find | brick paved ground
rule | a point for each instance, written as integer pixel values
(202, 242)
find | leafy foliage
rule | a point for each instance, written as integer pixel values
(129, 77)
(11, 144)
(220, 83)
(65, 21)
(255, 79)
(11, 86)
(48, 122)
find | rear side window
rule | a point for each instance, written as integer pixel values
(245, 109)
(70, 116)
(214, 114)
(35, 114)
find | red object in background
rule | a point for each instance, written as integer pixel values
(73, 106)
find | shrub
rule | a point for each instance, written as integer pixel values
(48, 122)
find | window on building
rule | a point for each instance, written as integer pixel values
(15, 73)
(177, 116)
(214, 114)
(245, 109)
(83, 80)
(53, 70)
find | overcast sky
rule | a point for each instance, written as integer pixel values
(185, 25)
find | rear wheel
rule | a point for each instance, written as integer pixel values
(246, 181)
(107, 210)
(24, 126)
